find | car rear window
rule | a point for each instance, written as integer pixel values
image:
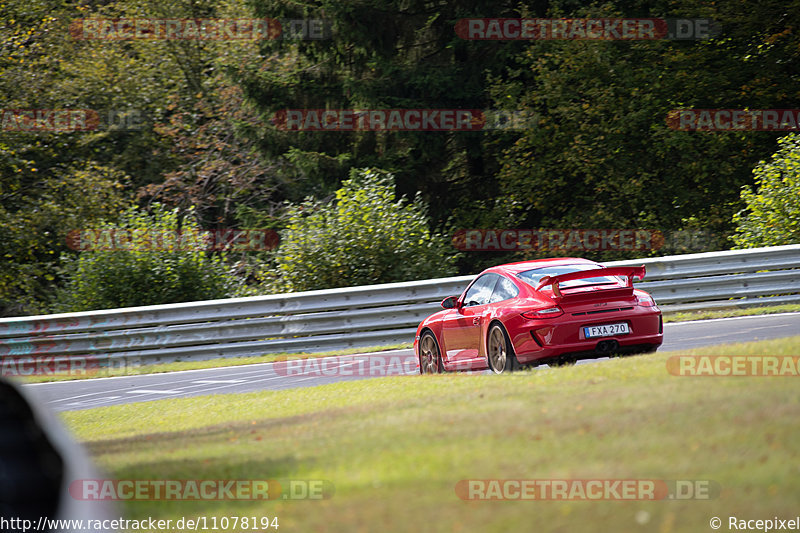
(534, 276)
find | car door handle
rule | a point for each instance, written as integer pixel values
(476, 321)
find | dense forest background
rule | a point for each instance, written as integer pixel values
(599, 155)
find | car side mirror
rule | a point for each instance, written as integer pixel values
(451, 302)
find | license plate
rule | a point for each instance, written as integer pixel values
(609, 330)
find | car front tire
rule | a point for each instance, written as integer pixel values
(430, 358)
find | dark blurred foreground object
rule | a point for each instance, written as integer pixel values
(38, 461)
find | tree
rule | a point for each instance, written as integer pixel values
(602, 155)
(35, 219)
(772, 215)
(54, 182)
(363, 236)
(385, 54)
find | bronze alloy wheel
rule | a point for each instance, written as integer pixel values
(430, 360)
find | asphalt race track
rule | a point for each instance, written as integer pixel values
(86, 394)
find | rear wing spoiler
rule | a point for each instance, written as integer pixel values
(625, 272)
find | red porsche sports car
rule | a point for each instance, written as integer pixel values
(552, 311)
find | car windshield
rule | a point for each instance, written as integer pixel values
(535, 275)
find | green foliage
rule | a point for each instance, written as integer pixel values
(51, 183)
(600, 155)
(384, 54)
(362, 237)
(35, 219)
(148, 266)
(772, 216)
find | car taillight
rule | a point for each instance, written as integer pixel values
(645, 300)
(550, 312)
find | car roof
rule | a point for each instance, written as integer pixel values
(522, 266)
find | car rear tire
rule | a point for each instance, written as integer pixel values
(499, 351)
(430, 358)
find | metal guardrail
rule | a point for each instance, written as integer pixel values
(371, 315)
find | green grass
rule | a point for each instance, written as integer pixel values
(394, 448)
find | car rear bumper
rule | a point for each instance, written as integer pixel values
(538, 341)
(593, 350)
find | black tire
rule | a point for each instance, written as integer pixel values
(430, 357)
(499, 351)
